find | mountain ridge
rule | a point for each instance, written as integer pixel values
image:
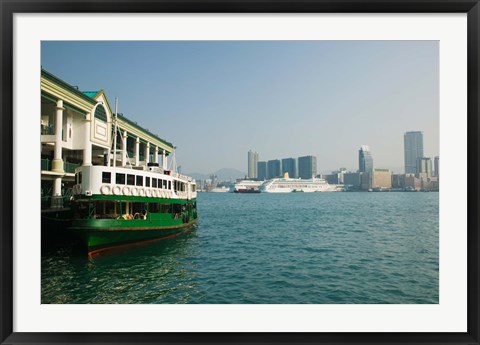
(222, 174)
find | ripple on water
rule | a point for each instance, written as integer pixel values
(297, 248)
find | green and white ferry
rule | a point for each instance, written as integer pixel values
(117, 205)
(103, 176)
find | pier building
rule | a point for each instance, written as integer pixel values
(77, 129)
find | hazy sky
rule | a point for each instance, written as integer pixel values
(215, 100)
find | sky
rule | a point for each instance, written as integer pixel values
(216, 100)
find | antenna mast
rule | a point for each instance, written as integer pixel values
(115, 134)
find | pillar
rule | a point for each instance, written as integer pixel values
(87, 149)
(164, 160)
(156, 155)
(137, 151)
(147, 153)
(124, 148)
(57, 163)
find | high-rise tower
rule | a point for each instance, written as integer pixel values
(307, 167)
(413, 147)
(289, 165)
(252, 164)
(365, 160)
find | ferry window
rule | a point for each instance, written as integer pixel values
(79, 177)
(131, 180)
(147, 181)
(169, 184)
(153, 208)
(139, 181)
(120, 178)
(154, 182)
(164, 184)
(138, 207)
(193, 188)
(106, 177)
(165, 208)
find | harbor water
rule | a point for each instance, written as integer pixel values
(319, 248)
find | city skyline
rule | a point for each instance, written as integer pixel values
(283, 98)
(415, 162)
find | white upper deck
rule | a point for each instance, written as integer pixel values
(150, 182)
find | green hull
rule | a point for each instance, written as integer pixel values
(100, 238)
(157, 219)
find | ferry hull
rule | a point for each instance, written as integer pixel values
(100, 235)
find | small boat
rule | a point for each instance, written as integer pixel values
(247, 186)
(222, 189)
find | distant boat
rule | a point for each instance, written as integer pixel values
(247, 186)
(222, 189)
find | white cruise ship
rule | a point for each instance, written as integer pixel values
(247, 186)
(290, 185)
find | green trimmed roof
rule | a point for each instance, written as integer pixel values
(90, 94)
(66, 85)
(133, 123)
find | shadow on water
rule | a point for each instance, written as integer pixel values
(147, 273)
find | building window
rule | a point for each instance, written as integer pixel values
(100, 113)
(139, 181)
(106, 177)
(120, 179)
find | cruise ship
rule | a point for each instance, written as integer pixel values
(290, 185)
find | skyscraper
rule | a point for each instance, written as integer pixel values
(413, 147)
(252, 164)
(437, 165)
(289, 165)
(424, 167)
(262, 170)
(274, 168)
(365, 160)
(307, 166)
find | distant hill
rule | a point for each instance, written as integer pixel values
(222, 174)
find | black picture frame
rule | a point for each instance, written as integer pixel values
(10, 7)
